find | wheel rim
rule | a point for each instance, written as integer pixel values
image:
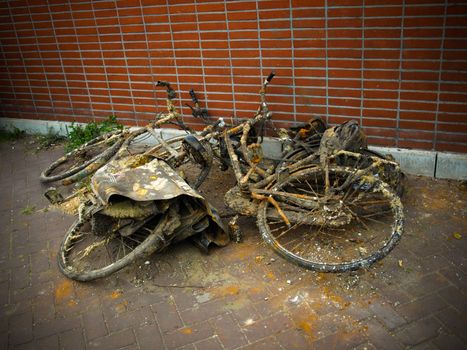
(339, 229)
(84, 252)
(79, 158)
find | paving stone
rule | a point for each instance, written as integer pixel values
(293, 339)
(188, 335)
(387, 315)
(419, 331)
(212, 343)
(149, 337)
(72, 339)
(448, 341)
(21, 328)
(454, 321)
(113, 341)
(380, 337)
(421, 307)
(454, 297)
(427, 285)
(340, 340)
(269, 343)
(267, 327)
(425, 346)
(51, 343)
(129, 319)
(55, 326)
(228, 331)
(167, 316)
(203, 312)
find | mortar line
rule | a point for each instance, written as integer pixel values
(205, 92)
(292, 39)
(148, 52)
(258, 27)
(401, 59)
(130, 88)
(104, 65)
(42, 64)
(178, 90)
(234, 117)
(326, 58)
(65, 80)
(441, 61)
(362, 66)
(82, 66)
(22, 57)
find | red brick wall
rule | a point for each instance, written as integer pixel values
(399, 67)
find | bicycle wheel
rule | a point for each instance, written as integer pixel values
(351, 224)
(80, 158)
(86, 256)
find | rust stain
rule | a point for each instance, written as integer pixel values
(63, 290)
(307, 325)
(225, 291)
(72, 303)
(186, 330)
(254, 290)
(270, 276)
(337, 300)
(115, 294)
(121, 307)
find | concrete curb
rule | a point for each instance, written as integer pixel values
(442, 165)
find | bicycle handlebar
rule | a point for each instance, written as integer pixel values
(270, 76)
(194, 99)
(171, 94)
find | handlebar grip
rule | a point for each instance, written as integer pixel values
(270, 76)
(193, 96)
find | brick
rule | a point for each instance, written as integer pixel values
(380, 337)
(293, 339)
(453, 321)
(167, 316)
(421, 307)
(340, 340)
(136, 318)
(427, 285)
(212, 343)
(113, 341)
(187, 335)
(72, 339)
(228, 332)
(387, 315)
(21, 328)
(55, 326)
(267, 326)
(419, 331)
(50, 342)
(149, 336)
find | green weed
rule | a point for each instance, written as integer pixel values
(28, 209)
(79, 134)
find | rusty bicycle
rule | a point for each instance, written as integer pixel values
(331, 210)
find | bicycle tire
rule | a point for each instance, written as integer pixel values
(318, 256)
(153, 242)
(46, 175)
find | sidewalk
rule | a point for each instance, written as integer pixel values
(241, 296)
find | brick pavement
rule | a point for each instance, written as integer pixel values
(236, 297)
